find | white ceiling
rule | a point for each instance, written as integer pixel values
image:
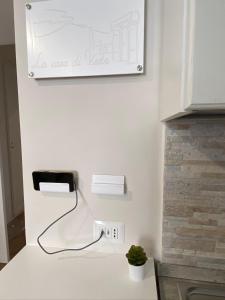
(6, 22)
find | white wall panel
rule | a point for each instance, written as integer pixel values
(103, 125)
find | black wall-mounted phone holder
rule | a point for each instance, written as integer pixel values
(53, 180)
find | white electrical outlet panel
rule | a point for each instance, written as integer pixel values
(114, 232)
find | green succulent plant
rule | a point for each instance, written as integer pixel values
(136, 256)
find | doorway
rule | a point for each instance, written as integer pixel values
(12, 233)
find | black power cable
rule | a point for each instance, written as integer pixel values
(57, 220)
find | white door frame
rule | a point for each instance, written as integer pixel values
(4, 245)
(7, 189)
(4, 179)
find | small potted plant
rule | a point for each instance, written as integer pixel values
(136, 258)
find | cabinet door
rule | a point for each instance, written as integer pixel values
(209, 54)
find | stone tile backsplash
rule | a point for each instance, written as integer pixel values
(194, 193)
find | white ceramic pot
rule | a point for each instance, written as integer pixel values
(137, 273)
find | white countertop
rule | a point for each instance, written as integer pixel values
(85, 275)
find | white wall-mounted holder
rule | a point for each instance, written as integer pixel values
(53, 187)
(108, 185)
(76, 38)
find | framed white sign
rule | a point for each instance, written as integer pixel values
(76, 38)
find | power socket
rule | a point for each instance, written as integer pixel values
(114, 232)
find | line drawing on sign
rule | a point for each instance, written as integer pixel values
(120, 44)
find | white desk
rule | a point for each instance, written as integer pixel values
(78, 276)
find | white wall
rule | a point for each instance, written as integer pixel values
(94, 125)
(6, 22)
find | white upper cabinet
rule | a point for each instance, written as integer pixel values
(193, 57)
